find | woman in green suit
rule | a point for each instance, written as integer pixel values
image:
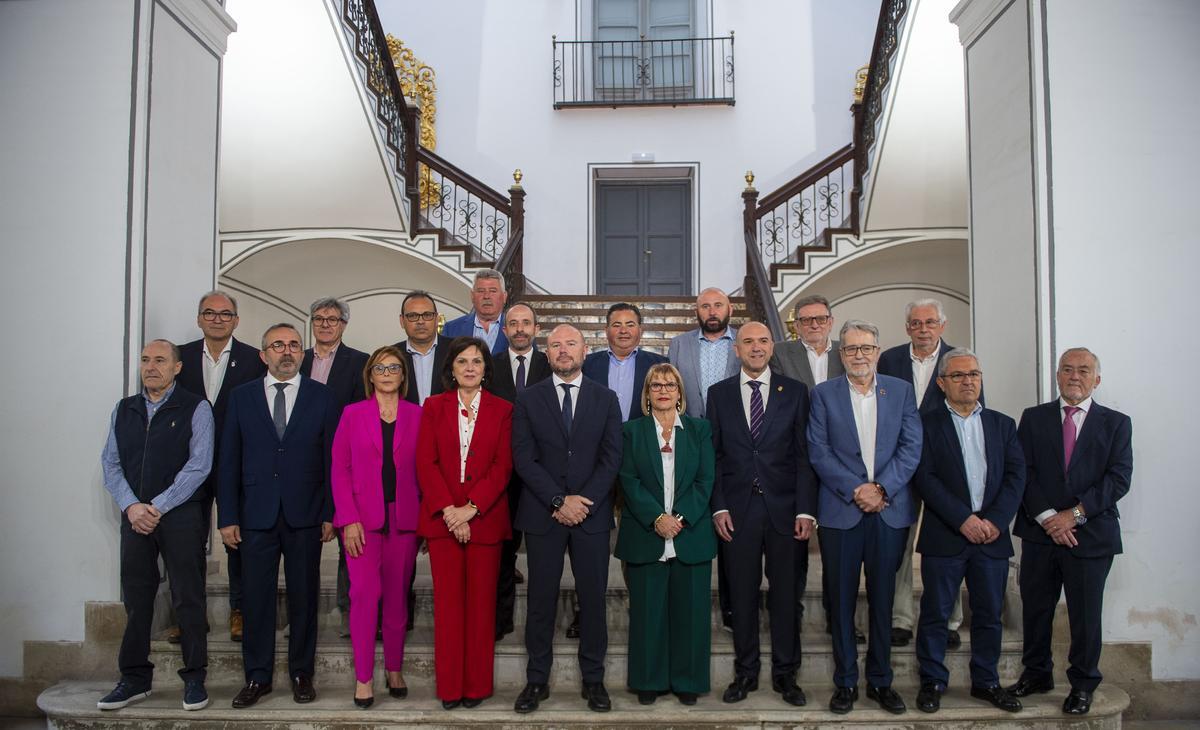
(667, 541)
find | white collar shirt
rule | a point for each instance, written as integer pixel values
(865, 409)
(468, 416)
(577, 382)
(922, 370)
(214, 369)
(668, 461)
(818, 362)
(289, 394)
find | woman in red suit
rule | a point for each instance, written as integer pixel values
(375, 504)
(463, 464)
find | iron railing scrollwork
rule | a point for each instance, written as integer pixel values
(471, 213)
(797, 215)
(879, 72)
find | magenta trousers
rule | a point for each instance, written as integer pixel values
(382, 571)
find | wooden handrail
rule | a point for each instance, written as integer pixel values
(757, 288)
(805, 179)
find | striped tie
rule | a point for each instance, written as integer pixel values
(756, 409)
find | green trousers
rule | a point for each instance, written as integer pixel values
(670, 626)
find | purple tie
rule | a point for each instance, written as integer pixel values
(1069, 434)
(756, 409)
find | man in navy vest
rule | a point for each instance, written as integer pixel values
(158, 453)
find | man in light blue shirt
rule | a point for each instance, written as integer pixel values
(485, 320)
(623, 366)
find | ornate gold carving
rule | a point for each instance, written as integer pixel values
(418, 81)
(860, 83)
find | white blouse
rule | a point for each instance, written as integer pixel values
(668, 462)
(466, 430)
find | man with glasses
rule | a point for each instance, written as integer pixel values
(484, 321)
(864, 441)
(274, 499)
(424, 350)
(212, 367)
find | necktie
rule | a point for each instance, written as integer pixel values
(1069, 434)
(756, 410)
(566, 412)
(520, 373)
(280, 414)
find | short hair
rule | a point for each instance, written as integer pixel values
(457, 346)
(860, 325)
(944, 363)
(281, 325)
(488, 274)
(522, 304)
(623, 307)
(803, 302)
(1071, 350)
(330, 303)
(216, 293)
(941, 312)
(663, 368)
(175, 353)
(372, 361)
(418, 294)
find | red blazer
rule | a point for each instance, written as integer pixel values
(358, 465)
(489, 464)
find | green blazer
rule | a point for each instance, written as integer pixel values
(642, 488)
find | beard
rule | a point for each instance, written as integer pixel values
(713, 325)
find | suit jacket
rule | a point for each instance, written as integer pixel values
(941, 481)
(1099, 475)
(791, 359)
(551, 463)
(357, 472)
(897, 362)
(489, 463)
(643, 491)
(262, 474)
(684, 354)
(439, 359)
(595, 366)
(837, 459)
(537, 369)
(464, 326)
(345, 375)
(777, 460)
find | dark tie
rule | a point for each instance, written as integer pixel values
(1069, 434)
(756, 410)
(567, 406)
(520, 373)
(280, 414)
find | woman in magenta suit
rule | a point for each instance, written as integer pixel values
(376, 500)
(463, 464)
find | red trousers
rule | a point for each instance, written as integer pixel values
(464, 617)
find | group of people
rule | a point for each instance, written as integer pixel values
(732, 447)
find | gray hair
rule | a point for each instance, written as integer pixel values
(175, 353)
(281, 325)
(861, 326)
(216, 293)
(811, 299)
(331, 303)
(941, 312)
(1080, 349)
(944, 363)
(489, 274)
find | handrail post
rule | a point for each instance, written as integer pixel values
(515, 276)
(856, 110)
(749, 214)
(412, 115)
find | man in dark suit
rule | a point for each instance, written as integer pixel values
(764, 498)
(522, 365)
(274, 499)
(484, 321)
(212, 367)
(425, 350)
(623, 366)
(864, 440)
(567, 449)
(1079, 457)
(971, 478)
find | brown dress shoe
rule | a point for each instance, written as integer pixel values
(235, 625)
(174, 635)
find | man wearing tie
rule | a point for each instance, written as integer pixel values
(864, 440)
(274, 499)
(1079, 457)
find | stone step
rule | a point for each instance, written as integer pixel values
(73, 704)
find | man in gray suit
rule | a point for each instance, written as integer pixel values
(813, 359)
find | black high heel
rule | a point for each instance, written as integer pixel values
(397, 692)
(364, 702)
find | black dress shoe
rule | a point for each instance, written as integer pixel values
(471, 702)
(887, 699)
(504, 630)
(686, 698)
(364, 702)
(997, 697)
(596, 696)
(786, 686)
(530, 696)
(251, 693)
(647, 698)
(303, 690)
(1027, 686)
(953, 640)
(397, 692)
(739, 689)
(843, 700)
(450, 704)
(901, 637)
(1078, 702)
(929, 699)
(573, 629)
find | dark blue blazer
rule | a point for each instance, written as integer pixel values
(261, 474)
(1100, 472)
(778, 459)
(941, 481)
(897, 363)
(551, 464)
(836, 457)
(464, 326)
(345, 375)
(595, 366)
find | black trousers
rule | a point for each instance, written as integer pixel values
(1046, 571)
(179, 539)
(942, 577)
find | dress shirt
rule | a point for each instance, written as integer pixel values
(322, 365)
(467, 418)
(713, 356)
(422, 370)
(668, 461)
(818, 362)
(514, 363)
(189, 478)
(922, 370)
(578, 383)
(620, 380)
(1079, 416)
(289, 394)
(489, 335)
(214, 370)
(865, 417)
(974, 453)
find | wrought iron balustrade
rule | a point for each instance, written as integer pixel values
(643, 72)
(470, 212)
(370, 45)
(796, 216)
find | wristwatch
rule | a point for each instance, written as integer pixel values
(1078, 514)
(557, 502)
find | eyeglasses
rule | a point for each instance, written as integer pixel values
(958, 377)
(818, 320)
(855, 350)
(418, 316)
(281, 346)
(393, 369)
(326, 321)
(915, 324)
(212, 315)
(664, 387)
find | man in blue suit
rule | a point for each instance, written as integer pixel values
(485, 320)
(971, 477)
(274, 499)
(623, 366)
(864, 440)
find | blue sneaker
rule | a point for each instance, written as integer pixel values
(194, 695)
(121, 696)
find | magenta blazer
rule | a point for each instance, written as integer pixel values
(358, 465)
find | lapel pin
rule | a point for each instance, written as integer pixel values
(233, 363)
(780, 389)
(172, 424)
(883, 391)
